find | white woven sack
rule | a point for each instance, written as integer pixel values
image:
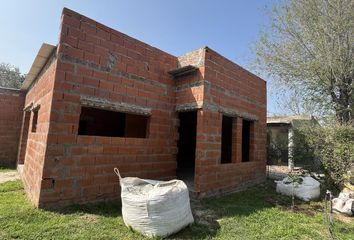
(308, 190)
(343, 204)
(155, 208)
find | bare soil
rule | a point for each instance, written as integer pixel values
(8, 176)
(277, 172)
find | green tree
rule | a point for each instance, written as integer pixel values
(309, 49)
(333, 145)
(10, 76)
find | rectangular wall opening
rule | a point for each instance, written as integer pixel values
(246, 140)
(34, 120)
(99, 122)
(226, 140)
(186, 147)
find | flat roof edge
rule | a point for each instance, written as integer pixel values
(41, 59)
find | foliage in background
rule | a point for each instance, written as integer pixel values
(309, 49)
(328, 148)
(10, 76)
(277, 149)
(333, 146)
(303, 154)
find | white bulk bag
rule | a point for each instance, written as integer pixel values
(308, 190)
(155, 208)
(343, 204)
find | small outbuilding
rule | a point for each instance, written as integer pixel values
(280, 131)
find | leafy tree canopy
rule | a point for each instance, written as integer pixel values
(10, 76)
(309, 49)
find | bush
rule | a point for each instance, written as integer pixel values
(333, 146)
(277, 149)
(303, 152)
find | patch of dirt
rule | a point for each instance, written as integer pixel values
(277, 172)
(204, 216)
(8, 176)
(343, 218)
(300, 207)
(89, 217)
(277, 201)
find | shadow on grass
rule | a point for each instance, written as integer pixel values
(208, 211)
(196, 231)
(113, 209)
(106, 209)
(243, 203)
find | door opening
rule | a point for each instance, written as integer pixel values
(23, 138)
(186, 147)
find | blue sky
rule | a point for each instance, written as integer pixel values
(227, 26)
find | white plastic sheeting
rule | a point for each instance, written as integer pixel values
(155, 208)
(308, 190)
(343, 204)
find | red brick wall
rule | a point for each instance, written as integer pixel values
(190, 88)
(229, 90)
(99, 62)
(11, 102)
(222, 87)
(39, 94)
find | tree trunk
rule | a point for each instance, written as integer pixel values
(344, 102)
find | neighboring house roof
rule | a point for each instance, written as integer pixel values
(289, 119)
(294, 120)
(39, 63)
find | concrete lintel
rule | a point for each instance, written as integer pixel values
(215, 108)
(114, 106)
(236, 113)
(189, 106)
(28, 108)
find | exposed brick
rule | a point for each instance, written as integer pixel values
(96, 61)
(71, 21)
(11, 114)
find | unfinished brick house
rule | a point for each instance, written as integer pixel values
(101, 99)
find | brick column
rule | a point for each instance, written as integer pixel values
(200, 140)
(238, 145)
(23, 137)
(253, 127)
(234, 140)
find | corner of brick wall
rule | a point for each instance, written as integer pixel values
(11, 110)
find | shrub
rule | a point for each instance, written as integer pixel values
(303, 152)
(277, 149)
(333, 146)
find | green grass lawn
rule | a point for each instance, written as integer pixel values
(6, 169)
(258, 213)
